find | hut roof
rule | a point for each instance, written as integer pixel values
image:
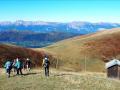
(112, 63)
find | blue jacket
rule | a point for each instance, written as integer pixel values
(7, 65)
(18, 64)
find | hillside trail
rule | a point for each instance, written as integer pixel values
(56, 73)
(66, 75)
(58, 80)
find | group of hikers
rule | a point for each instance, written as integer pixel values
(17, 65)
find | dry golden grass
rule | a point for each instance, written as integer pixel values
(92, 49)
(59, 80)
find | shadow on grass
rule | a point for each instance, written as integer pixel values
(33, 73)
(27, 74)
(62, 74)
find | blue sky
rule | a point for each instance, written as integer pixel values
(60, 10)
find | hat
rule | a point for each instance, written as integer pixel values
(17, 59)
(28, 59)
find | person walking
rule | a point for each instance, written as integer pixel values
(28, 64)
(18, 65)
(8, 67)
(14, 67)
(46, 64)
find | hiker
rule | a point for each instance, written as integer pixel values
(8, 67)
(46, 64)
(18, 65)
(13, 66)
(28, 64)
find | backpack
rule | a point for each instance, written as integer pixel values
(8, 65)
(46, 62)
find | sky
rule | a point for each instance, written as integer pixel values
(60, 10)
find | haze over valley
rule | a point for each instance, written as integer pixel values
(34, 34)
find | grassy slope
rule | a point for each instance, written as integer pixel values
(11, 52)
(94, 48)
(59, 80)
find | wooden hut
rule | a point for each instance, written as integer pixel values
(113, 68)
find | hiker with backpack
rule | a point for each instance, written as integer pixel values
(18, 66)
(46, 64)
(8, 67)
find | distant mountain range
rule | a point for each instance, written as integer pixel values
(33, 39)
(73, 27)
(40, 34)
